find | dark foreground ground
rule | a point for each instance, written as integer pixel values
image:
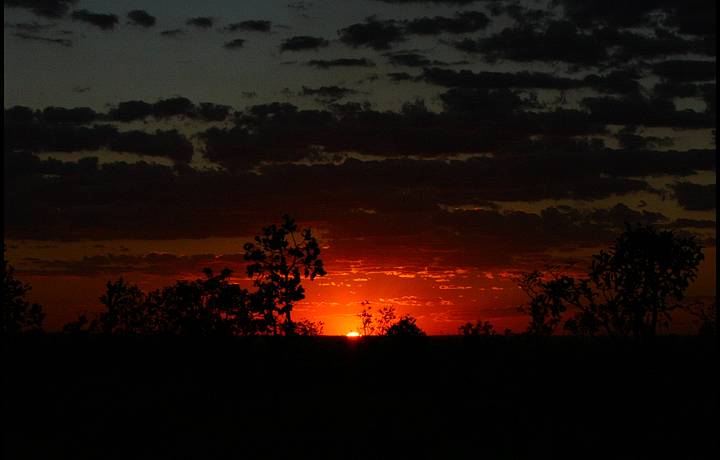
(439, 398)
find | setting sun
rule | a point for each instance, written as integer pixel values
(353, 334)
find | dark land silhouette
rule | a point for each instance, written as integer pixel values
(97, 396)
(205, 369)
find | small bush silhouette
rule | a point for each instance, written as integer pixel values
(480, 328)
(405, 327)
(376, 323)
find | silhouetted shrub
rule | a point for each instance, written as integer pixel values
(405, 327)
(484, 328)
(376, 323)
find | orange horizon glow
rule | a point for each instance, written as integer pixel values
(441, 297)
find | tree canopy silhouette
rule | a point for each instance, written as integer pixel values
(630, 290)
(19, 315)
(405, 326)
(213, 305)
(280, 258)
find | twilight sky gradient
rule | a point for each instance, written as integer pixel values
(438, 148)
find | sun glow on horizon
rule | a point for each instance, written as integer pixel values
(353, 334)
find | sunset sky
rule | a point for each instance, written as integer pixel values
(437, 148)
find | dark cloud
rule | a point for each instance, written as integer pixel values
(85, 200)
(174, 106)
(201, 22)
(561, 41)
(141, 18)
(695, 197)
(469, 79)
(401, 76)
(211, 112)
(613, 82)
(38, 38)
(56, 137)
(383, 34)
(685, 70)
(630, 139)
(103, 21)
(250, 26)
(670, 89)
(408, 59)
(446, 2)
(300, 5)
(629, 45)
(303, 42)
(234, 44)
(327, 94)
(45, 8)
(30, 27)
(522, 14)
(641, 111)
(79, 115)
(504, 238)
(131, 110)
(621, 81)
(694, 223)
(173, 33)
(373, 33)
(415, 59)
(474, 120)
(151, 263)
(168, 144)
(594, 12)
(492, 103)
(341, 62)
(463, 22)
(69, 130)
(694, 17)
(165, 108)
(140, 200)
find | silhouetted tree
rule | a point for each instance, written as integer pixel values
(214, 306)
(308, 328)
(205, 306)
(19, 315)
(705, 317)
(384, 320)
(367, 326)
(484, 328)
(280, 258)
(125, 310)
(405, 327)
(376, 323)
(630, 289)
(80, 325)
